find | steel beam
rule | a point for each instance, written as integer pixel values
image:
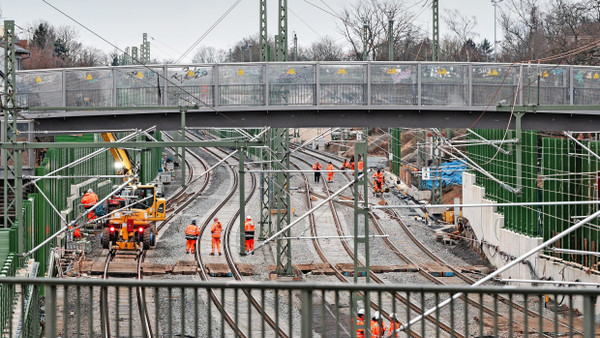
(129, 144)
(242, 185)
(266, 191)
(12, 159)
(282, 47)
(361, 222)
(281, 193)
(436, 30)
(262, 32)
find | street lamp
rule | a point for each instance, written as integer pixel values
(495, 4)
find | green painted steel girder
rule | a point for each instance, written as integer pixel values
(281, 191)
(128, 144)
(436, 30)
(98, 108)
(262, 32)
(12, 204)
(533, 108)
(282, 47)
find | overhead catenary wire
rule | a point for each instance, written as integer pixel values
(210, 29)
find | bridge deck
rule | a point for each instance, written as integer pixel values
(413, 89)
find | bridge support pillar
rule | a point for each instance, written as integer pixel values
(281, 192)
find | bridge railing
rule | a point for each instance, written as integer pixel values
(311, 84)
(189, 308)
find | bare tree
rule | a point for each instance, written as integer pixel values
(374, 15)
(325, 49)
(206, 54)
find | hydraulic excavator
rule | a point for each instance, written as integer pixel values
(136, 209)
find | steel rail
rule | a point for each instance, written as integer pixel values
(394, 215)
(226, 247)
(324, 259)
(374, 276)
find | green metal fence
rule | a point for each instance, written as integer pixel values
(185, 308)
(552, 170)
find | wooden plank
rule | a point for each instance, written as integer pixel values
(245, 269)
(218, 270)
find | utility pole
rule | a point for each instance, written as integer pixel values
(262, 32)
(12, 204)
(295, 47)
(495, 4)
(436, 31)
(145, 50)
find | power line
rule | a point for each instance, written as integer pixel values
(210, 29)
(304, 22)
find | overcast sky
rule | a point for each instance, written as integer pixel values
(173, 26)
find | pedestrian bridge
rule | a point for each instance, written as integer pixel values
(312, 94)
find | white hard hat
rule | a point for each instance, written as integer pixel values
(90, 190)
(361, 312)
(375, 315)
(248, 217)
(393, 316)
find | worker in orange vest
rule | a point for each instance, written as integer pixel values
(377, 326)
(330, 172)
(360, 164)
(352, 163)
(378, 180)
(317, 167)
(191, 235)
(394, 326)
(345, 165)
(215, 230)
(88, 200)
(360, 322)
(249, 234)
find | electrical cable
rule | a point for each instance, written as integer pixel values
(142, 65)
(306, 24)
(210, 29)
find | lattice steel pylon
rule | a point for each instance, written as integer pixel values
(282, 45)
(145, 50)
(281, 193)
(361, 222)
(12, 159)
(262, 32)
(436, 30)
(266, 189)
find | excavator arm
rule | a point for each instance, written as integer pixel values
(119, 154)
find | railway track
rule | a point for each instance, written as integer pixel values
(532, 321)
(434, 323)
(175, 204)
(218, 300)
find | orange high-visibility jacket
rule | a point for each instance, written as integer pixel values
(376, 329)
(352, 165)
(346, 164)
(360, 165)
(330, 167)
(317, 166)
(360, 332)
(392, 329)
(216, 230)
(192, 230)
(378, 177)
(89, 199)
(249, 229)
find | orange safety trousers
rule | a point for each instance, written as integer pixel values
(190, 245)
(216, 242)
(330, 176)
(249, 244)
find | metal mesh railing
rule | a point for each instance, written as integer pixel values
(208, 309)
(311, 83)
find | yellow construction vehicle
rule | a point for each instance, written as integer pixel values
(132, 227)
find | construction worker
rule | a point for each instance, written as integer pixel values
(345, 165)
(394, 326)
(352, 163)
(215, 230)
(360, 164)
(360, 321)
(249, 234)
(330, 172)
(88, 200)
(377, 326)
(191, 235)
(317, 168)
(378, 180)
